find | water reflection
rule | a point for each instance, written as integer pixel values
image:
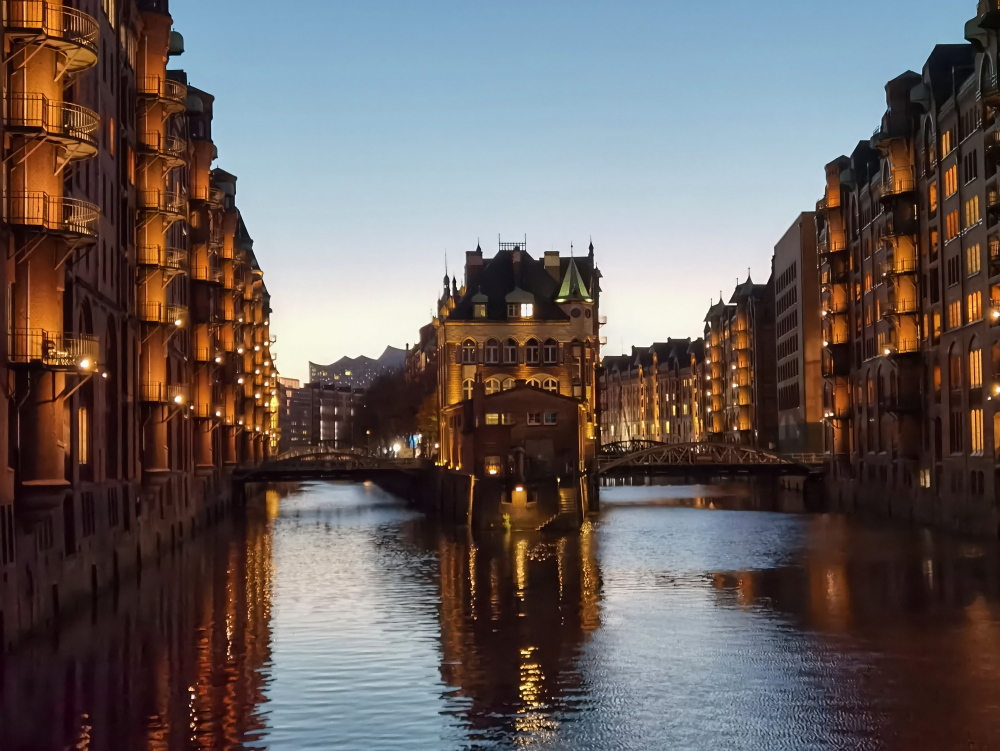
(516, 610)
(341, 619)
(176, 660)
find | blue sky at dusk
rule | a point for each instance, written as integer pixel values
(373, 138)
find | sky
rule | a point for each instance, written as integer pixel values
(373, 140)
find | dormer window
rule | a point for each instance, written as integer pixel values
(479, 310)
(520, 310)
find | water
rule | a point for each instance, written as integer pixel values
(340, 620)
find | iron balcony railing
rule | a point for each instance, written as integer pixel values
(53, 213)
(158, 392)
(62, 25)
(170, 259)
(169, 202)
(58, 119)
(206, 274)
(54, 350)
(158, 312)
(897, 185)
(171, 147)
(164, 89)
(904, 306)
(900, 347)
(899, 266)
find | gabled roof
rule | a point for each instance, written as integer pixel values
(573, 289)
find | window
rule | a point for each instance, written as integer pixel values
(527, 310)
(976, 368)
(973, 260)
(479, 310)
(506, 419)
(532, 352)
(970, 166)
(951, 181)
(520, 310)
(976, 432)
(947, 142)
(534, 418)
(510, 352)
(951, 228)
(492, 386)
(467, 387)
(932, 197)
(492, 418)
(550, 384)
(492, 465)
(954, 314)
(534, 383)
(468, 352)
(974, 306)
(955, 432)
(550, 418)
(550, 353)
(83, 429)
(972, 215)
(954, 370)
(507, 384)
(492, 352)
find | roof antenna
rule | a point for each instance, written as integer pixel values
(571, 249)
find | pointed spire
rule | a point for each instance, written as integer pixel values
(573, 288)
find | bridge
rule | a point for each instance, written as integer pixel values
(317, 463)
(700, 460)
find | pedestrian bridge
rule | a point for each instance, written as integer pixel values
(700, 459)
(316, 463)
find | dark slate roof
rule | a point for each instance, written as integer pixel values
(618, 363)
(697, 348)
(948, 66)
(497, 279)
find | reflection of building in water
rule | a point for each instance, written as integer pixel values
(178, 661)
(515, 611)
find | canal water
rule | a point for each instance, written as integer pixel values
(682, 618)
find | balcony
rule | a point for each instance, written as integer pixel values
(892, 128)
(825, 246)
(900, 348)
(904, 306)
(66, 216)
(897, 186)
(71, 126)
(172, 95)
(162, 313)
(157, 392)
(993, 201)
(172, 150)
(894, 267)
(208, 274)
(169, 204)
(53, 351)
(203, 411)
(73, 33)
(169, 260)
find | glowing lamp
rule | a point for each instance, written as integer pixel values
(218, 359)
(886, 351)
(180, 399)
(178, 322)
(84, 364)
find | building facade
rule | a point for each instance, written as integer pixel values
(137, 356)
(909, 240)
(798, 337)
(654, 394)
(741, 369)
(358, 372)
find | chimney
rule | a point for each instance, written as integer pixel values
(516, 260)
(552, 263)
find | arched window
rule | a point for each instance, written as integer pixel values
(492, 386)
(492, 352)
(534, 383)
(532, 353)
(975, 366)
(507, 384)
(468, 351)
(954, 368)
(551, 384)
(467, 386)
(550, 353)
(510, 352)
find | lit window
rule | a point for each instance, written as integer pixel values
(972, 214)
(974, 305)
(932, 197)
(479, 310)
(976, 432)
(527, 310)
(534, 383)
(550, 384)
(492, 386)
(973, 260)
(976, 369)
(951, 228)
(467, 387)
(507, 384)
(492, 465)
(83, 430)
(954, 314)
(492, 418)
(951, 181)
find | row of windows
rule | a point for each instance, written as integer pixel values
(788, 370)
(534, 353)
(496, 385)
(787, 300)
(788, 347)
(532, 418)
(788, 323)
(788, 397)
(786, 277)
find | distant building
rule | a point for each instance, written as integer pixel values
(740, 367)
(798, 334)
(318, 415)
(358, 372)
